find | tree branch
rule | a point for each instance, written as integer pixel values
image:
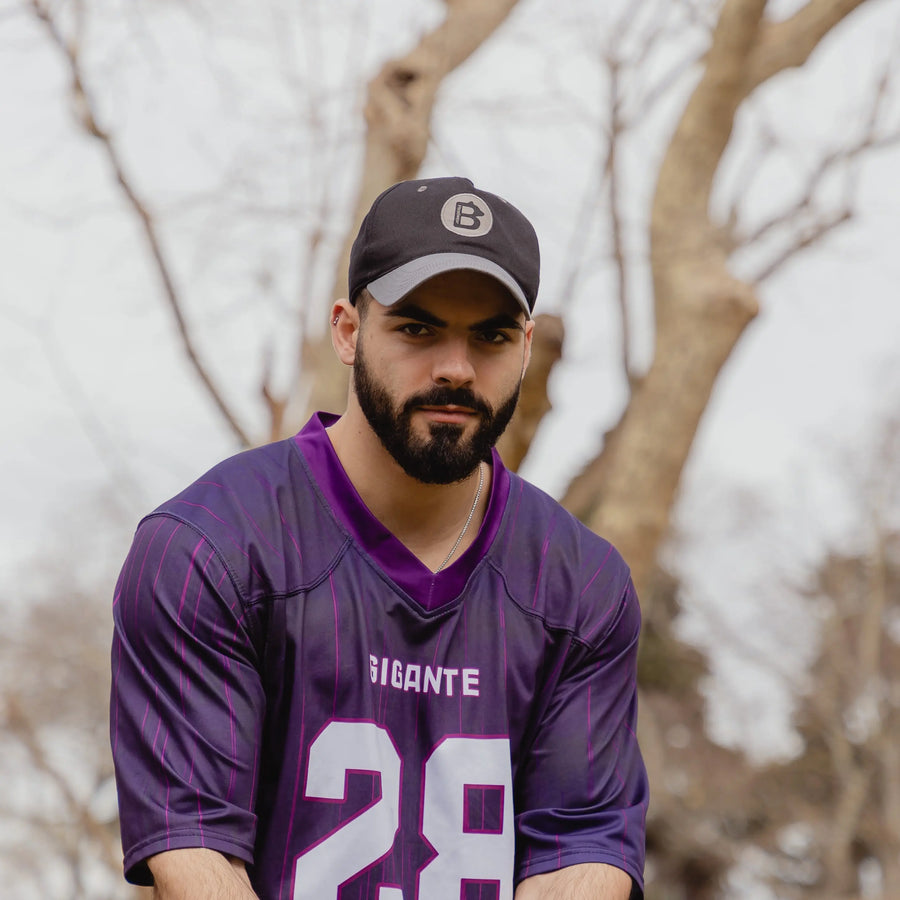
(87, 117)
(583, 223)
(802, 240)
(790, 43)
(822, 224)
(16, 722)
(534, 401)
(620, 265)
(708, 119)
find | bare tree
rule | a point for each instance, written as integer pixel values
(60, 833)
(702, 308)
(839, 798)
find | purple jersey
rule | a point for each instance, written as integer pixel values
(291, 686)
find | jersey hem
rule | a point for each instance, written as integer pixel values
(552, 862)
(135, 864)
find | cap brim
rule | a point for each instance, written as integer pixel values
(394, 286)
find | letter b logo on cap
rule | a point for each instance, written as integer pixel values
(467, 214)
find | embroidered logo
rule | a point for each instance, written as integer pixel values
(467, 214)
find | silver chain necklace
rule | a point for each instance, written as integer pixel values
(465, 527)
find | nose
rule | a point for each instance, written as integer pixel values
(452, 365)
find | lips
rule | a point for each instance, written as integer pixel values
(456, 415)
(460, 404)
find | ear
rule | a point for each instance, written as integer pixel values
(344, 324)
(529, 336)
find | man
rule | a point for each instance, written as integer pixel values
(370, 662)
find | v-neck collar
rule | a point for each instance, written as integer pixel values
(429, 589)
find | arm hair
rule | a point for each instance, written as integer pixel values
(585, 881)
(199, 874)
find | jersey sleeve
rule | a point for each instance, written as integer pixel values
(583, 793)
(186, 702)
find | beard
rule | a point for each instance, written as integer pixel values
(445, 456)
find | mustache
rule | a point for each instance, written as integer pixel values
(439, 396)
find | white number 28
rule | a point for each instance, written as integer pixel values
(466, 850)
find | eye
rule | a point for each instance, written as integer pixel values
(414, 329)
(494, 336)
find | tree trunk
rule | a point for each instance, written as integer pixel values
(398, 113)
(701, 312)
(534, 401)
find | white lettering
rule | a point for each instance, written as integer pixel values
(433, 679)
(419, 679)
(451, 674)
(411, 681)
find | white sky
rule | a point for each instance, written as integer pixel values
(97, 400)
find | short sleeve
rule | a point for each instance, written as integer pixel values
(582, 794)
(187, 700)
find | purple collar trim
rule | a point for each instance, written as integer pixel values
(428, 589)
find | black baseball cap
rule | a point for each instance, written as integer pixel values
(418, 229)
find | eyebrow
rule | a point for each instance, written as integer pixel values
(416, 312)
(502, 320)
(412, 311)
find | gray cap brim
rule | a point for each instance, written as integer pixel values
(394, 286)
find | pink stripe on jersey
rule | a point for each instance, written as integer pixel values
(291, 535)
(231, 725)
(162, 558)
(184, 681)
(297, 778)
(502, 620)
(181, 601)
(337, 646)
(162, 759)
(140, 577)
(259, 532)
(187, 577)
(544, 548)
(590, 753)
(514, 514)
(200, 818)
(255, 772)
(609, 550)
(611, 611)
(117, 650)
(205, 509)
(238, 545)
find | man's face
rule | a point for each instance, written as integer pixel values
(437, 375)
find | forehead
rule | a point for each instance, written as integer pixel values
(462, 295)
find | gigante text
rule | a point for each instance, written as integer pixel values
(423, 679)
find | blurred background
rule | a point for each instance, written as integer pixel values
(716, 385)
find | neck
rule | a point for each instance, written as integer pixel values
(427, 518)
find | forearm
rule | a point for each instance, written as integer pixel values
(586, 881)
(198, 874)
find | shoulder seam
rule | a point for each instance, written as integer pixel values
(545, 623)
(246, 601)
(622, 600)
